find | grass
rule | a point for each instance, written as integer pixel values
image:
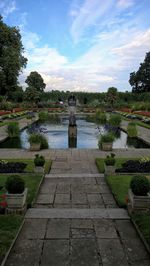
(3, 123)
(9, 225)
(119, 162)
(143, 222)
(119, 186)
(142, 124)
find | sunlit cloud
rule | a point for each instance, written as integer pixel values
(7, 7)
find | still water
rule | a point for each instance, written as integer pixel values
(57, 136)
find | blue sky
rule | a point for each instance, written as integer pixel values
(81, 45)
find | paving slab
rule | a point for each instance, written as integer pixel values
(45, 199)
(62, 198)
(82, 223)
(112, 253)
(55, 253)
(58, 228)
(84, 252)
(33, 229)
(105, 229)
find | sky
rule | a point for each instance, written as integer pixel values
(81, 45)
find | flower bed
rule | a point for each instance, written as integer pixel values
(144, 113)
(134, 166)
(12, 167)
(4, 112)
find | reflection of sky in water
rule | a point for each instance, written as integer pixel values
(87, 135)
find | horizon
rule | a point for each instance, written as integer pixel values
(81, 45)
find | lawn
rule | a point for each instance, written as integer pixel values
(9, 225)
(143, 222)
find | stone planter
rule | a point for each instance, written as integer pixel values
(35, 146)
(138, 203)
(39, 169)
(109, 169)
(106, 146)
(16, 201)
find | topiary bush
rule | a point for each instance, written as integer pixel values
(110, 159)
(15, 184)
(140, 185)
(39, 160)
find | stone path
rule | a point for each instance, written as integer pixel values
(75, 221)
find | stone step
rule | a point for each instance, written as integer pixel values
(40, 213)
(73, 175)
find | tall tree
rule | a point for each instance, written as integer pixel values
(140, 80)
(12, 60)
(35, 80)
(111, 95)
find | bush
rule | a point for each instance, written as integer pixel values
(12, 167)
(13, 129)
(131, 130)
(39, 160)
(15, 184)
(134, 166)
(140, 185)
(43, 116)
(44, 142)
(115, 120)
(100, 117)
(110, 159)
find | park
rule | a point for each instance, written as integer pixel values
(74, 168)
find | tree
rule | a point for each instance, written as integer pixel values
(140, 80)
(112, 95)
(35, 80)
(11, 59)
(32, 95)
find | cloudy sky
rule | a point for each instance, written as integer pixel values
(86, 45)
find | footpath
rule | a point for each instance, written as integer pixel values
(75, 220)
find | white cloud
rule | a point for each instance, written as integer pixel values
(7, 7)
(87, 15)
(125, 3)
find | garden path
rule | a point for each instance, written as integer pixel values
(75, 220)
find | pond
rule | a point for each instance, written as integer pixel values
(57, 136)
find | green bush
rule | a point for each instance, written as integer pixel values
(39, 160)
(13, 129)
(100, 117)
(110, 159)
(54, 118)
(43, 116)
(115, 120)
(140, 185)
(15, 184)
(44, 142)
(131, 130)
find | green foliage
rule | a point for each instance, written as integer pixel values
(35, 138)
(140, 80)
(140, 185)
(110, 159)
(131, 130)
(44, 143)
(112, 96)
(11, 59)
(15, 184)
(32, 95)
(54, 118)
(143, 222)
(13, 129)
(39, 160)
(43, 116)
(34, 80)
(115, 120)
(100, 117)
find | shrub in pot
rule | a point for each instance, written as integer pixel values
(110, 164)
(106, 141)
(16, 192)
(35, 142)
(39, 162)
(139, 196)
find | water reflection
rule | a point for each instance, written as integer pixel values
(87, 137)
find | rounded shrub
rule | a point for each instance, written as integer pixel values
(140, 185)
(15, 184)
(39, 160)
(115, 120)
(110, 159)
